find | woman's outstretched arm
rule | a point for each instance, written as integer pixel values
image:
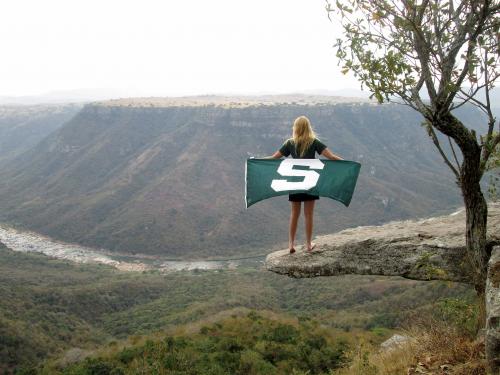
(330, 155)
(276, 155)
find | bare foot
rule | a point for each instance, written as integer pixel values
(313, 245)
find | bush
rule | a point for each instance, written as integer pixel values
(283, 333)
(460, 313)
(98, 366)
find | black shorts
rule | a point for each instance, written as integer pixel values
(301, 197)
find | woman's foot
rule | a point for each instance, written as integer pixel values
(292, 250)
(311, 247)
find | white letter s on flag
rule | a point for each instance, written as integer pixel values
(286, 169)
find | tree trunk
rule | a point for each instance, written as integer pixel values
(475, 204)
(476, 211)
(476, 208)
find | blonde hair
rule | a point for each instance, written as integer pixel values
(303, 135)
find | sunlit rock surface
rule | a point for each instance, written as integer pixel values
(425, 249)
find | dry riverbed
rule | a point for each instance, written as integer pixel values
(27, 241)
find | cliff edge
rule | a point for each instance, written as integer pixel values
(424, 249)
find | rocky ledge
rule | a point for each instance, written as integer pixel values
(425, 249)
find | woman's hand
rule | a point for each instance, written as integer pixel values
(330, 155)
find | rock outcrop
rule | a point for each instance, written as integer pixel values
(425, 249)
(492, 338)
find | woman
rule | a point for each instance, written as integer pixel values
(303, 145)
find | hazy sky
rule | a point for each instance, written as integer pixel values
(168, 47)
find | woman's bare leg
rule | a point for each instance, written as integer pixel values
(308, 214)
(294, 219)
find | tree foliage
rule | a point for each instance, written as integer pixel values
(444, 51)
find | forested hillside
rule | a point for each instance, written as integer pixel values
(55, 308)
(169, 178)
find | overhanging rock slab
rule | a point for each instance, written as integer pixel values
(424, 249)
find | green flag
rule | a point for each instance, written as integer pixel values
(266, 178)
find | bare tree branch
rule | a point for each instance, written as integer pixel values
(454, 154)
(445, 158)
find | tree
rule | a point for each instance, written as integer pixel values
(434, 56)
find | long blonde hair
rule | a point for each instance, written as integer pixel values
(303, 135)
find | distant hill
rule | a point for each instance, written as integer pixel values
(21, 127)
(64, 96)
(167, 176)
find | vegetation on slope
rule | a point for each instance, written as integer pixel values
(439, 340)
(49, 306)
(251, 344)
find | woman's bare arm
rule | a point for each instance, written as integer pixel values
(330, 155)
(276, 155)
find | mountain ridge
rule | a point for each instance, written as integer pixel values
(170, 180)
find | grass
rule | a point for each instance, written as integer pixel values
(438, 343)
